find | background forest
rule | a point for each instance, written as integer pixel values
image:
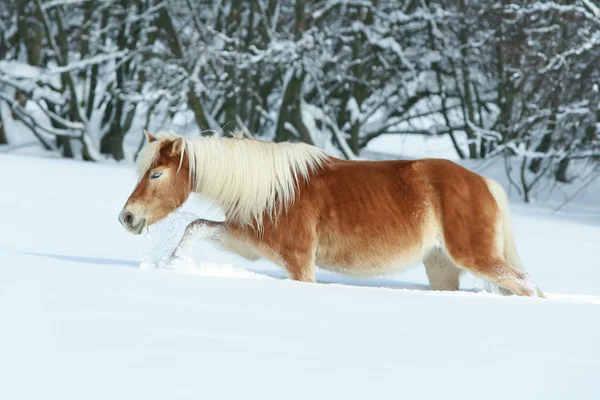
(517, 80)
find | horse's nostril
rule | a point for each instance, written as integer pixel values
(128, 218)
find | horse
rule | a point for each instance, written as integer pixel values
(296, 205)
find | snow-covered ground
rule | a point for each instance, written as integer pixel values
(85, 315)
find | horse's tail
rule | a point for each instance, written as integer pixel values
(508, 240)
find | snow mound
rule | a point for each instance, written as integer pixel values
(164, 236)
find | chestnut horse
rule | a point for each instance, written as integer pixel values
(299, 207)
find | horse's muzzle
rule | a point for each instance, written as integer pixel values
(131, 223)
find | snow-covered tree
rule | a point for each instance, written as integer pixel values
(498, 77)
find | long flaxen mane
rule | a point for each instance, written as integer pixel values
(248, 178)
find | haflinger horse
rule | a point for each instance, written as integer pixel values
(299, 207)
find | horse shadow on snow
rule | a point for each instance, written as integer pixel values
(323, 277)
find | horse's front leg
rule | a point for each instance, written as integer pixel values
(200, 229)
(217, 233)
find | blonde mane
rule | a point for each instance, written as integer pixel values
(246, 177)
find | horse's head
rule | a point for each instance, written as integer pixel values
(163, 185)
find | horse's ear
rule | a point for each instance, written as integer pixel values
(177, 146)
(149, 137)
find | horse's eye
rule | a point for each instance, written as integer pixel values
(155, 175)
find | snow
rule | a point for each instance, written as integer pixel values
(90, 311)
(593, 8)
(353, 109)
(55, 3)
(24, 77)
(81, 64)
(413, 146)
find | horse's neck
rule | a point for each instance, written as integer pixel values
(251, 191)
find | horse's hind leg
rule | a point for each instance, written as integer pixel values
(443, 274)
(474, 239)
(478, 253)
(499, 272)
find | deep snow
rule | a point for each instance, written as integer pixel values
(85, 315)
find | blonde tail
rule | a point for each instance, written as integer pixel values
(510, 248)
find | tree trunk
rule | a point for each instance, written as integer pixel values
(64, 142)
(545, 143)
(3, 139)
(164, 20)
(443, 95)
(543, 147)
(291, 103)
(112, 142)
(359, 91)
(561, 171)
(524, 185)
(466, 77)
(299, 19)
(286, 110)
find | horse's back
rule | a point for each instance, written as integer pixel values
(400, 186)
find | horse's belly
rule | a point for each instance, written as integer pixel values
(365, 269)
(371, 259)
(372, 252)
